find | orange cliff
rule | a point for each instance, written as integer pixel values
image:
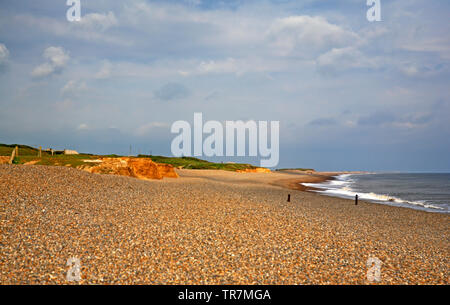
(141, 168)
(255, 170)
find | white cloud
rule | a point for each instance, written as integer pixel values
(422, 69)
(56, 58)
(147, 128)
(92, 30)
(73, 87)
(43, 70)
(83, 126)
(227, 66)
(305, 35)
(194, 28)
(4, 54)
(105, 70)
(237, 66)
(410, 70)
(397, 92)
(343, 59)
(95, 21)
(63, 105)
(440, 46)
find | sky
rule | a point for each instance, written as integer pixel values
(349, 94)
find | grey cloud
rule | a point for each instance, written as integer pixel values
(376, 119)
(407, 120)
(323, 122)
(56, 60)
(4, 54)
(212, 96)
(420, 118)
(172, 91)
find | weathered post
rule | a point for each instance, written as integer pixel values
(17, 151)
(356, 199)
(40, 152)
(289, 198)
(13, 154)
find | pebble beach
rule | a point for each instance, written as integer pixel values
(206, 227)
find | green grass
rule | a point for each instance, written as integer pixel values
(6, 150)
(194, 163)
(29, 154)
(57, 160)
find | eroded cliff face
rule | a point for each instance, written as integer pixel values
(141, 168)
(167, 170)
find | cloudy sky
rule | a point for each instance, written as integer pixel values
(349, 94)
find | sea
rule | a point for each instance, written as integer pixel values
(422, 191)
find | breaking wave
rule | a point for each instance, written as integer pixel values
(342, 187)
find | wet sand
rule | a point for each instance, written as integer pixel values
(207, 227)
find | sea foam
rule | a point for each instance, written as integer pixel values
(341, 187)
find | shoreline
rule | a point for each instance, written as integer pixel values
(321, 177)
(297, 183)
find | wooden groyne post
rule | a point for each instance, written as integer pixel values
(14, 153)
(356, 199)
(289, 198)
